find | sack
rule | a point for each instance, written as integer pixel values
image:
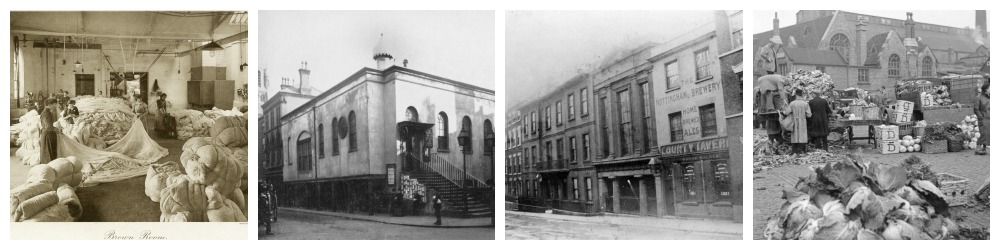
(787, 122)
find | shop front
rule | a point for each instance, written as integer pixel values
(629, 188)
(700, 172)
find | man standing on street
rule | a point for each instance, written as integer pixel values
(819, 122)
(437, 209)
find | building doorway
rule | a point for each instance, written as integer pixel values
(84, 84)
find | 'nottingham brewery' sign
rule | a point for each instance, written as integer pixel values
(717, 144)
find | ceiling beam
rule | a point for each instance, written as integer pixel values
(222, 42)
(152, 22)
(52, 33)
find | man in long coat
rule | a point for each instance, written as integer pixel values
(819, 122)
(799, 111)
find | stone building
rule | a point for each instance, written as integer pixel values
(870, 52)
(385, 131)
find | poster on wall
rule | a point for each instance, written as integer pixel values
(390, 172)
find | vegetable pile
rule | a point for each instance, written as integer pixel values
(768, 154)
(851, 199)
(970, 128)
(814, 81)
(938, 97)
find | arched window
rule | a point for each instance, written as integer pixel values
(841, 44)
(467, 131)
(319, 131)
(303, 152)
(334, 143)
(487, 130)
(353, 137)
(411, 114)
(442, 131)
(926, 67)
(894, 65)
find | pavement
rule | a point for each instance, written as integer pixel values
(542, 226)
(413, 221)
(626, 227)
(768, 184)
(299, 224)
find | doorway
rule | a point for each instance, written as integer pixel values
(119, 85)
(84, 84)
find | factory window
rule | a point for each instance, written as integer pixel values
(586, 147)
(334, 143)
(676, 130)
(893, 65)
(625, 122)
(487, 130)
(708, 123)
(467, 128)
(571, 103)
(352, 121)
(862, 76)
(584, 108)
(558, 113)
(673, 75)
(304, 152)
(925, 67)
(319, 130)
(840, 43)
(701, 61)
(572, 149)
(442, 131)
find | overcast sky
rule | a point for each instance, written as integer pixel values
(458, 45)
(545, 48)
(763, 19)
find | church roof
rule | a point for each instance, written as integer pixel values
(815, 57)
(807, 34)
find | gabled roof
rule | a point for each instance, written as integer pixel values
(875, 46)
(815, 57)
(812, 39)
(943, 41)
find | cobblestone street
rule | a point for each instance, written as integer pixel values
(768, 184)
(537, 226)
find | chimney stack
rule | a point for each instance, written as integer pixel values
(860, 37)
(777, 30)
(722, 31)
(981, 23)
(304, 87)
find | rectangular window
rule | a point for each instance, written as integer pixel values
(576, 189)
(605, 131)
(723, 190)
(862, 76)
(590, 187)
(548, 117)
(736, 28)
(559, 149)
(625, 122)
(571, 102)
(676, 130)
(559, 113)
(737, 38)
(708, 123)
(572, 149)
(673, 75)
(534, 120)
(584, 108)
(321, 141)
(783, 69)
(647, 118)
(334, 143)
(586, 147)
(702, 62)
(548, 151)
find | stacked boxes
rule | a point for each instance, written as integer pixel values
(903, 112)
(887, 138)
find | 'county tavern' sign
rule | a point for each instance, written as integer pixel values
(717, 144)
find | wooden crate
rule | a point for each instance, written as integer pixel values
(955, 189)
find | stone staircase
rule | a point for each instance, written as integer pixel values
(475, 200)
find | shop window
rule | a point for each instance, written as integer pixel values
(676, 130)
(625, 122)
(723, 189)
(690, 182)
(709, 126)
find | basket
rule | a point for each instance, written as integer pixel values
(905, 129)
(919, 131)
(955, 189)
(934, 147)
(955, 146)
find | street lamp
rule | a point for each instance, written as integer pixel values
(654, 166)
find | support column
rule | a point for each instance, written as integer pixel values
(642, 197)
(661, 197)
(616, 195)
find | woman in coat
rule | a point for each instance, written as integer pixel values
(799, 111)
(49, 133)
(982, 110)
